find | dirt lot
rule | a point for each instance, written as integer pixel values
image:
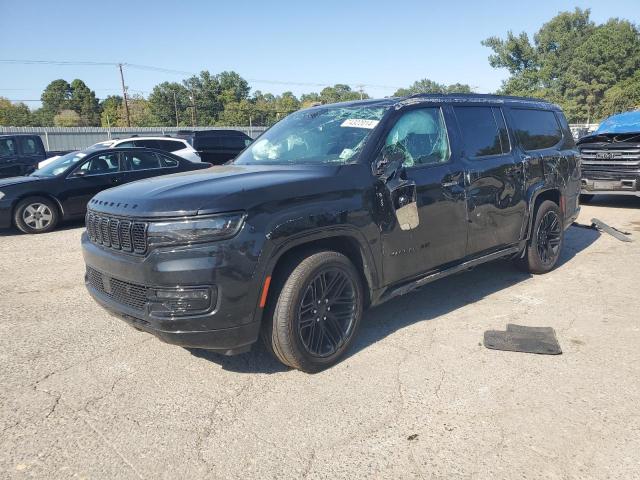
(82, 394)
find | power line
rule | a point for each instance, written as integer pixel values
(184, 72)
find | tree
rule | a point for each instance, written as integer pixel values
(14, 114)
(622, 97)
(84, 102)
(572, 61)
(165, 99)
(67, 118)
(429, 86)
(110, 111)
(55, 98)
(140, 113)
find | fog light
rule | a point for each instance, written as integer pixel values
(182, 301)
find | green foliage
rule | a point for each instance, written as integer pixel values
(622, 97)
(67, 118)
(140, 113)
(429, 86)
(110, 111)
(60, 96)
(573, 62)
(169, 102)
(14, 114)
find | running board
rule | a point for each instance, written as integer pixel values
(409, 287)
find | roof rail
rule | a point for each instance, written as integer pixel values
(478, 95)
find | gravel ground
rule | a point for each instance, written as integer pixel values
(84, 395)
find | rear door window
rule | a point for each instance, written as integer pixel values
(536, 129)
(143, 160)
(201, 143)
(483, 130)
(29, 146)
(147, 143)
(234, 142)
(170, 145)
(7, 147)
(167, 162)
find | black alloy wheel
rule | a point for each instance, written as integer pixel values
(326, 315)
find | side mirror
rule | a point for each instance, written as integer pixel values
(389, 162)
(79, 173)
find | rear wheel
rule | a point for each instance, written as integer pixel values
(317, 312)
(544, 247)
(36, 215)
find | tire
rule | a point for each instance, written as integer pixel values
(301, 329)
(586, 198)
(36, 215)
(545, 245)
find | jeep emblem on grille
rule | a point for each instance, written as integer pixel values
(606, 155)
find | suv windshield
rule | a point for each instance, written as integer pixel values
(59, 165)
(331, 134)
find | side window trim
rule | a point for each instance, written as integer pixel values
(500, 112)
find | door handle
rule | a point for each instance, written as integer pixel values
(450, 184)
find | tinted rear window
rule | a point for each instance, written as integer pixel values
(536, 129)
(483, 131)
(170, 145)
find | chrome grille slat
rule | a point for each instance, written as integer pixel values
(622, 160)
(117, 233)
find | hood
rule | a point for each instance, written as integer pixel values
(6, 182)
(628, 122)
(216, 189)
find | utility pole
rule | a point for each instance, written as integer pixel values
(193, 109)
(175, 105)
(360, 87)
(124, 96)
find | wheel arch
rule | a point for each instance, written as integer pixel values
(343, 241)
(48, 196)
(538, 195)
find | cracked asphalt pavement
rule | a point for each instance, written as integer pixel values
(84, 395)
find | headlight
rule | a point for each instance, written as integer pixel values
(1, 195)
(195, 230)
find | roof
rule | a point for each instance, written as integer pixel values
(399, 102)
(628, 122)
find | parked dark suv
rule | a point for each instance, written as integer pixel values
(216, 146)
(334, 209)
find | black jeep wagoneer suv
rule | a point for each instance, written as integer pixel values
(334, 209)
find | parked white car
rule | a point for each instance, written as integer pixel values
(177, 146)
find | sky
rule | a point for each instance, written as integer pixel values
(277, 46)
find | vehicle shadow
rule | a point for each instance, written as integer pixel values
(428, 303)
(616, 201)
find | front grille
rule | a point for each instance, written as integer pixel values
(124, 293)
(616, 160)
(116, 233)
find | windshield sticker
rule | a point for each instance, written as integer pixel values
(360, 123)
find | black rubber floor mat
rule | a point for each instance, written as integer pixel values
(517, 338)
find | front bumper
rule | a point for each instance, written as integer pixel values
(614, 183)
(229, 326)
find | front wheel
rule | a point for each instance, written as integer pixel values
(36, 215)
(317, 312)
(544, 247)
